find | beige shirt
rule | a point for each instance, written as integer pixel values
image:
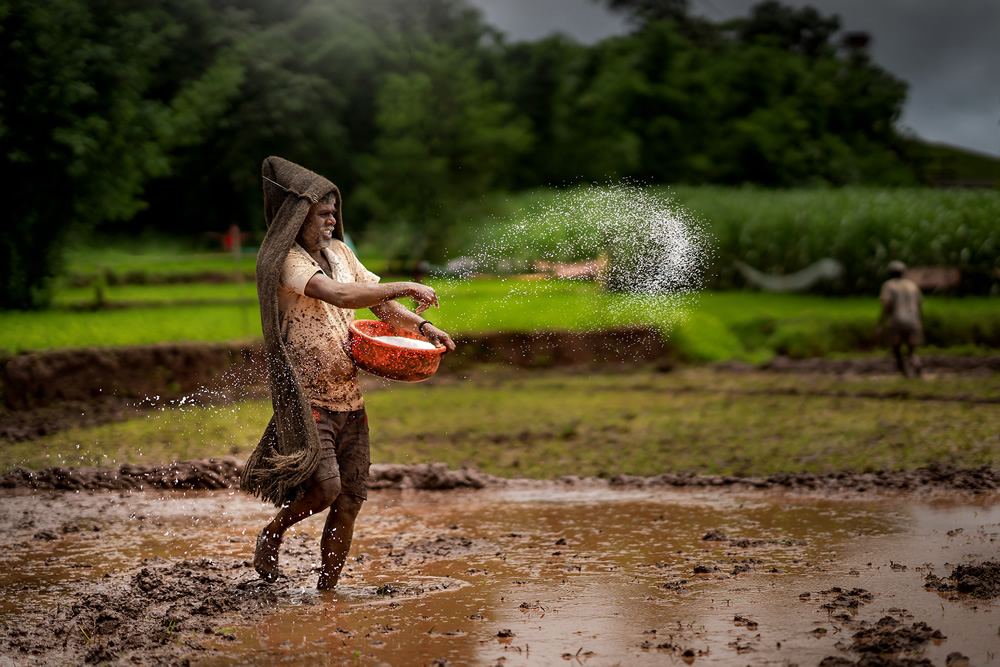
(316, 332)
(901, 300)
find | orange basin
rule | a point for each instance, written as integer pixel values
(394, 362)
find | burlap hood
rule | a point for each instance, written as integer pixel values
(288, 452)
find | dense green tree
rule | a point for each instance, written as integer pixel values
(310, 94)
(157, 113)
(803, 30)
(443, 137)
(81, 127)
(644, 11)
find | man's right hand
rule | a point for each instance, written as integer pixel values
(424, 296)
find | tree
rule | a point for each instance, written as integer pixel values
(645, 11)
(443, 138)
(81, 129)
(803, 31)
(310, 94)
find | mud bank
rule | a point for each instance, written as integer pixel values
(883, 365)
(537, 575)
(36, 379)
(224, 473)
(170, 370)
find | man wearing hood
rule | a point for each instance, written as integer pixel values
(314, 453)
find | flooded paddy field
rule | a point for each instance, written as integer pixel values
(531, 573)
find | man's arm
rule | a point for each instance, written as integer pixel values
(398, 315)
(368, 295)
(887, 298)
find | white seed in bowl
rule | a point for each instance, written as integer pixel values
(401, 341)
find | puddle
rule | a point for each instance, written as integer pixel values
(539, 575)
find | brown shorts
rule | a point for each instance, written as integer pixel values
(345, 452)
(901, 333)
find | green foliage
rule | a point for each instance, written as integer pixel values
(773, 102)
(444, 137)
(156, 115)
(803, 30)
(943, 165)
(650, 10)
(719, 326)
(83, 126)
(783, 231)
(33, 330)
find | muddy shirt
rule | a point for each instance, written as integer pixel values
(901, 300)
(316, 332)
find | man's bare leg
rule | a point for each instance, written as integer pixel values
(316, 499)
(918, 369)
(897, 351)
(337, 536)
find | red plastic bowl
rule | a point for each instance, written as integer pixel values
(406, 364)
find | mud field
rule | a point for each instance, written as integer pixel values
(629, 571)
(150, 564)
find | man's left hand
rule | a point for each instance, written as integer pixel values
(439, 338)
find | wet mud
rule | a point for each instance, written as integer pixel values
(978, 580)
(881, 365)
(523, 574)
(224, 473)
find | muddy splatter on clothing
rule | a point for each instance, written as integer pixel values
(346, 453)
(316, 332)
(901, 301)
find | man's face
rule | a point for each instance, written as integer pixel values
(317, 229)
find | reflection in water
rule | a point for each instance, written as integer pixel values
(591, 576)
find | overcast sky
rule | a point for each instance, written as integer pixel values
(947, 50)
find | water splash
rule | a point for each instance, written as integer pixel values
(647, 252)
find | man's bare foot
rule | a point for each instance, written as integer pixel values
(327, 582)
(265, 557)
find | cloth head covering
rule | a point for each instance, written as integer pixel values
(288, 452)
(896, 268)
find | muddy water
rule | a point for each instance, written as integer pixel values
(536, 575)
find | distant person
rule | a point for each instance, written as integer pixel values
(314, 454)
(901, 318)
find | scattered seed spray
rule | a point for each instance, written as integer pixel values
(647, 252)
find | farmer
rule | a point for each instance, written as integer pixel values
(901, 307)
(314, 453)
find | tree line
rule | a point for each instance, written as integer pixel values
(119, 115)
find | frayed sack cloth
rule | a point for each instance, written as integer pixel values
(289, 451)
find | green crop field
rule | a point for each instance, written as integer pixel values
(131, 295)
(713, 326)
(146, 291)
(128, 326)
(776, 231)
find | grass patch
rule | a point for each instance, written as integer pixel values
(719, 325)
(546, 424)
(161, 260)
(132, 326)
(125, 295)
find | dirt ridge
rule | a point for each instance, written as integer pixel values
(223, 473)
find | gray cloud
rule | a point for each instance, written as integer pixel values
(947, 51)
